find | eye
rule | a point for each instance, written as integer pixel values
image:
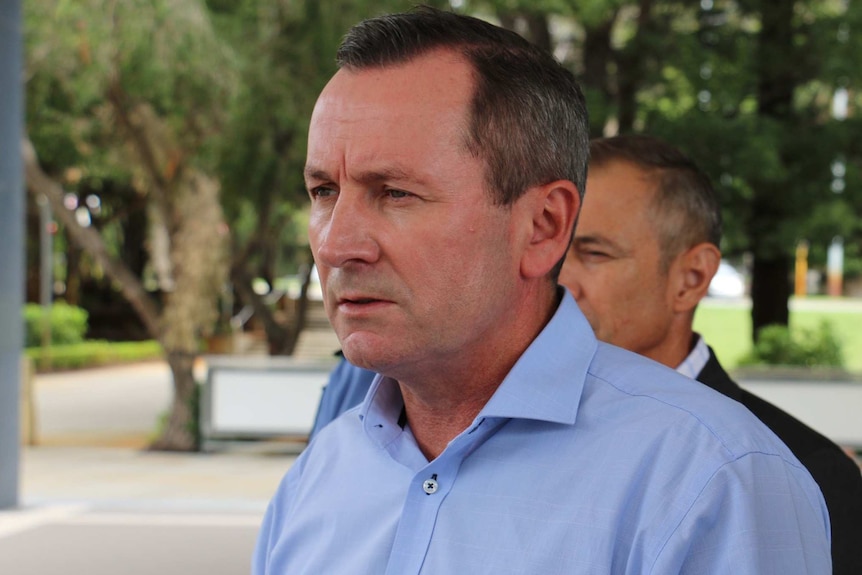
(397, 194)
(322, 192)
(593, 256)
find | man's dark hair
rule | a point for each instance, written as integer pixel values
(685, 208)
(528, 118)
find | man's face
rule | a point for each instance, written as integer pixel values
(416, 263)
(614, 266)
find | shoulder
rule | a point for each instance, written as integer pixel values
(826, 461)
(671, 399)
(725, 472)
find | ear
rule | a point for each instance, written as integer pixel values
(554, 208)
(691, 273)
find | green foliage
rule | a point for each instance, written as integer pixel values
(94, 353)
(779, 345)
(68, 324)
(235, 82)
(284, 55)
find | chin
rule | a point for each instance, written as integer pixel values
(360, 351)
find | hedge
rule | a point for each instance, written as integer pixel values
(93, 353)
(68, 324)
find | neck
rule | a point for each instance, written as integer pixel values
(434, 426)
(675, 347)
(443, 399)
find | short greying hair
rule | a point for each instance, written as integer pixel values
(685, 207)
(528, 119)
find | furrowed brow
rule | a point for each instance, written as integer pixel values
(385, 174)
(376, 176)
(312, 173)
(594, 241)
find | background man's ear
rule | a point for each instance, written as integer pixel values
(554, 209)
(692, 271)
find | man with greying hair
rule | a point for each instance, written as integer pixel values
(639, 278)
(445, 160)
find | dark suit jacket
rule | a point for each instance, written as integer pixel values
(838, 476)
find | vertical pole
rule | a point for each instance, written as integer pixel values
(46, 276)
(835, 267)
(12, 252)
(801, 283)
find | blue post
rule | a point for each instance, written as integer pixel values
(11, 248)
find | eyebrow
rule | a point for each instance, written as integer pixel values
(366, 177)
(595, 240)
(312, 173)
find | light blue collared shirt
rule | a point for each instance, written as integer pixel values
(588, 459)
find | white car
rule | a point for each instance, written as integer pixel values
(727, 282)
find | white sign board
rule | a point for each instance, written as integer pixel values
(261, 400)
(834, 408)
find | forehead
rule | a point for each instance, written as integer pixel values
(618, 201)
(419, 99)
(619, 186)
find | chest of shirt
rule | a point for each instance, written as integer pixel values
(504, 507)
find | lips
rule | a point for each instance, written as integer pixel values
(358, 300)
(359, 307)
(351, 291)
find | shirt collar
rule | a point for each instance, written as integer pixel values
(545, 383)
(696, 360)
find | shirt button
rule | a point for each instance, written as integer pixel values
(430, 486)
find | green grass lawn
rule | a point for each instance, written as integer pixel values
(727, 327)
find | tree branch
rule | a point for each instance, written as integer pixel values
(89, 241)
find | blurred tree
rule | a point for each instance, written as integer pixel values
(286, 53)
(125, 96)
(746, 87)
(752, 102)
(148, 106)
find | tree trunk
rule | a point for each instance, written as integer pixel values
(73, 273)
(530, 24)
(281, 337)
(598, 53)
(770, 289)
(181, 431)
(186, 308)
(630, 75)
(539, 31)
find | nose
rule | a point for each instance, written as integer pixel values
(575, 288)
(570, 274)
(343, 231)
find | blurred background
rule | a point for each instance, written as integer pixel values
(167, 145)
(164, 142)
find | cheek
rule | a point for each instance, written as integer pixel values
(468, 266)
(314, 235)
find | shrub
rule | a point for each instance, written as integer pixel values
(68, 324)
(778, 345)
(94, 353)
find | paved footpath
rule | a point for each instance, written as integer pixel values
(106, 406)
(93, 502)
(95, 511)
